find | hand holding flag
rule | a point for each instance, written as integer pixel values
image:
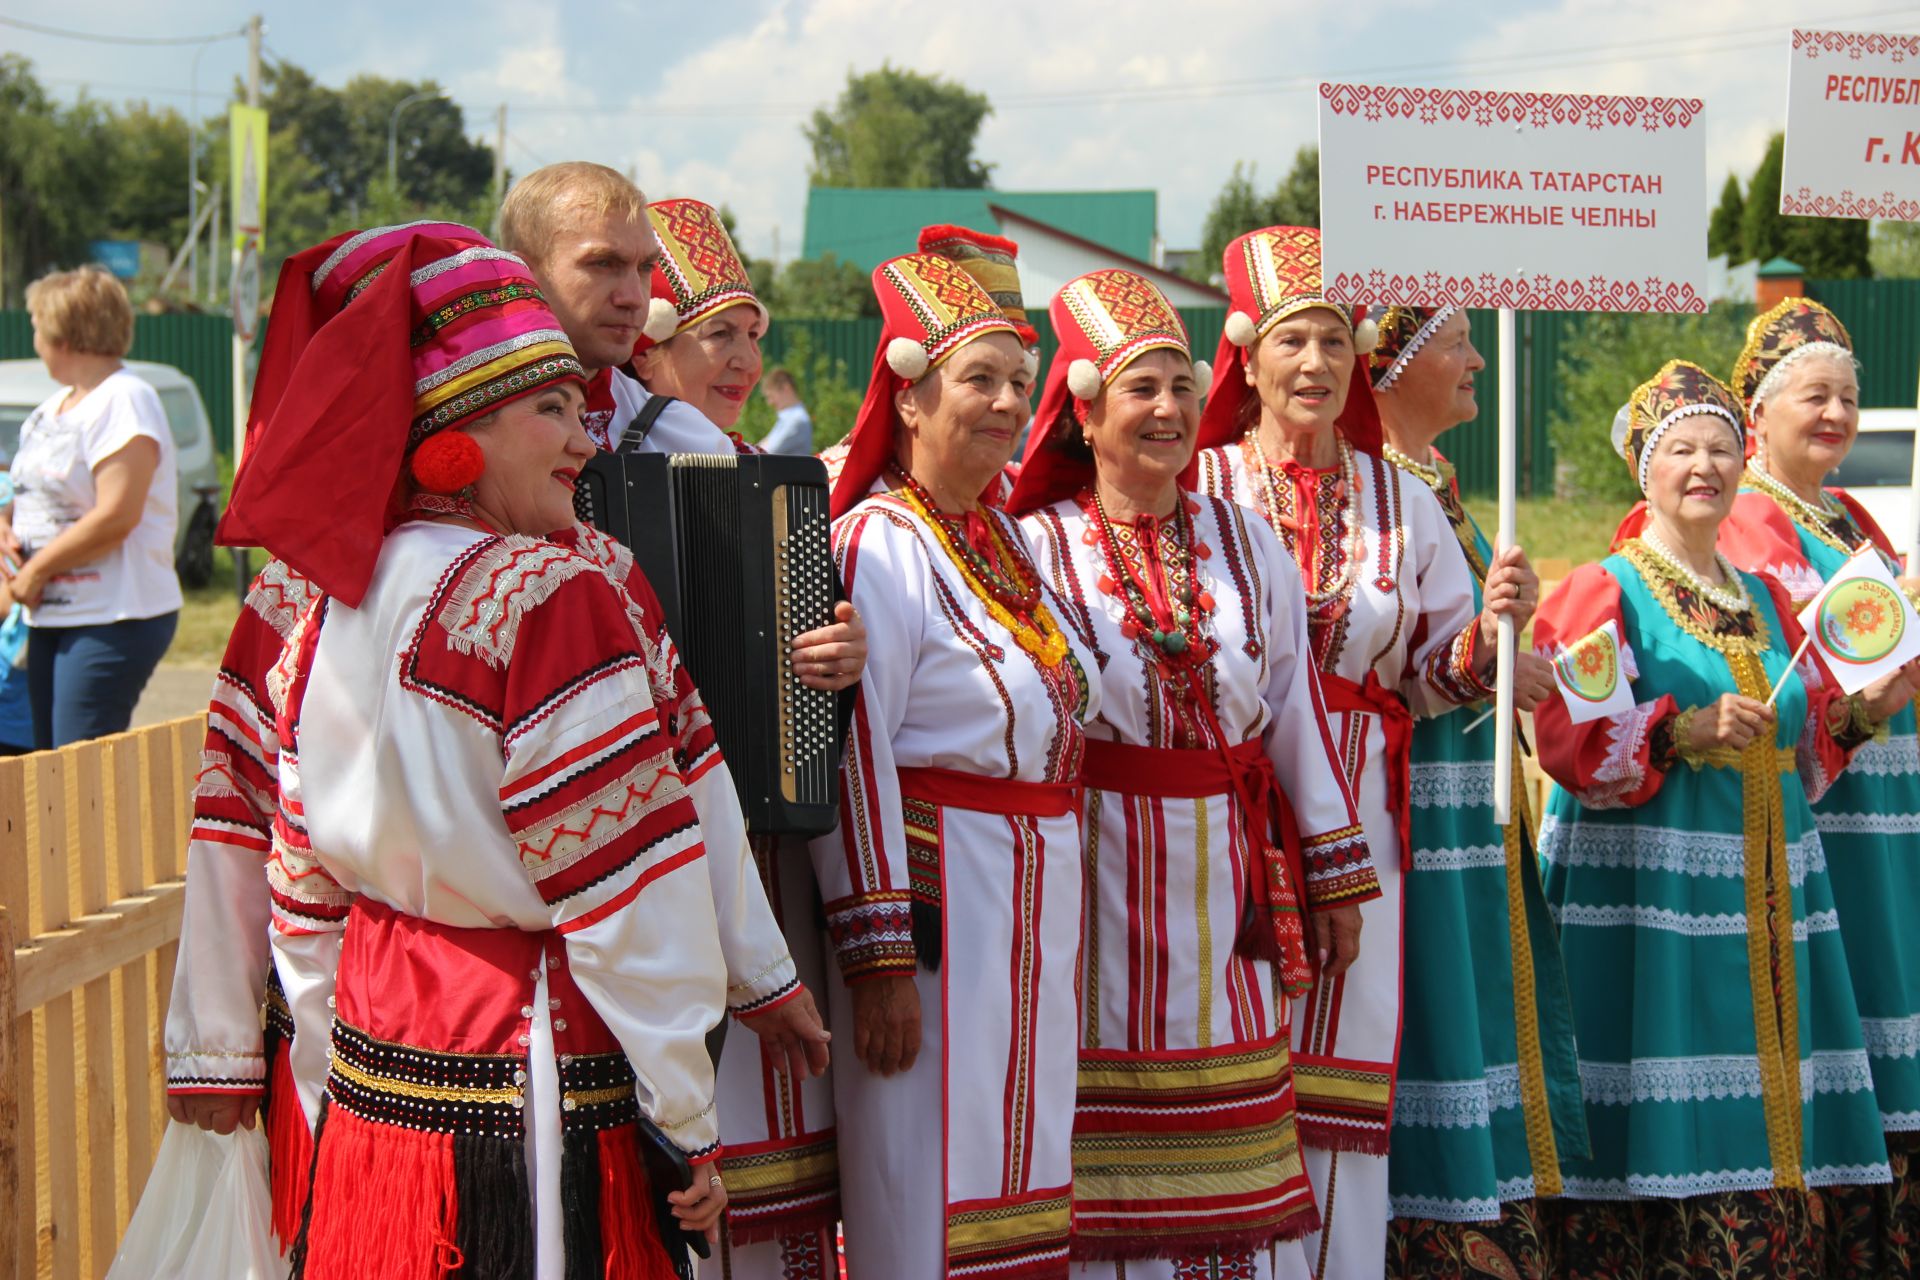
(1862, 624)
(1592, 674)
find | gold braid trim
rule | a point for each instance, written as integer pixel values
(1776, 1014)
(1534, 1108)
(1661, 580)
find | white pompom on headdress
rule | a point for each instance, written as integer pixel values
(1083, 379)
(908, 358)
(663, 318)
(1240, 329)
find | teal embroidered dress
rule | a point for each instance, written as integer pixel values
(1489, 1096)
(1720, 1045)
(1870, 817)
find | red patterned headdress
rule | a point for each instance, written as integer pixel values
(1796, 328)
(992, 260)
(929, 308)
(1104, 320)
(396, 334)
(699, 273)
(1272, 274)
(1681, 389)
(1402, 332)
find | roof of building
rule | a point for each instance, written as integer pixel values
(1159, 275)
(1775, 268)
(868, 225)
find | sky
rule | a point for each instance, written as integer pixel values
(707, 99)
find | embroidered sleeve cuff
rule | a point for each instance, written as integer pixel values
(776, 983)
(1451, 670)
(1339, 869)
(872, 934)
(213, 1071)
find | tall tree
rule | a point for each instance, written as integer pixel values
(1834, 248)
(1240, 207)
(1896, 251)
(823, 288)
(55, 176)
(1723, 228)
(898, 128)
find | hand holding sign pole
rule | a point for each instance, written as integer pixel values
(1431, 197)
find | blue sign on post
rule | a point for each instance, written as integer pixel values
(122, 257)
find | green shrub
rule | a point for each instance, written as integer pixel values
(1605, 358)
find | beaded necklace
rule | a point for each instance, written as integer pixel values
(1433, 477)
(1732, 598)
(1822, 521)
(1175, 629)
(1329, 598)
(1009, 589)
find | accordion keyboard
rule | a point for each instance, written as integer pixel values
(803, 577)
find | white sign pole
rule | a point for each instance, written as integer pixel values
(1913, 502)
(1506, 537)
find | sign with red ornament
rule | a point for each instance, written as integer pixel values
(1483, 198)
(1853, 126)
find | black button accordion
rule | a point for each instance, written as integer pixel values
(736, 547)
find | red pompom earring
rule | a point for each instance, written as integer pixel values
(446, 467)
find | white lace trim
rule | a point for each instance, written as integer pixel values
(1473, 858)
(1458, 785)
(1718, 925)
(1456, 1104)
(1702, 1079)
(1892, 1037)
(1855, 824)
(1678, 1186)
(1900, 1121)
(1699, 853)
(1899, 754)
(1477, 1209)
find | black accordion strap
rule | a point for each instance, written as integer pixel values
(642, 425)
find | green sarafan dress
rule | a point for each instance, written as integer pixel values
(1489, 1093)
(1720, 1047)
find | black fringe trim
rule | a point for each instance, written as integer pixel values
(580, 1203)
(927, 930)
(493, 1218)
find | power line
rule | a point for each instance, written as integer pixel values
(93, 38)
(1732, 39)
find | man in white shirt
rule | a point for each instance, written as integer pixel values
(792, 430)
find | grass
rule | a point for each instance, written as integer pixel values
(207, 615)
(1558, 534)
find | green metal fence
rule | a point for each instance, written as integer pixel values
(1882, 315)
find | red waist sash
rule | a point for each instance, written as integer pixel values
(1396, 722)
(1244, 770)
(991, 795)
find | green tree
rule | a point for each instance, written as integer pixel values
(1240, 207)
(823, 288)
(1723, 228)
(1832, 248)
(344, 133)
(898, 128)
(1605, 357)
(55, 176)
(1896, 250)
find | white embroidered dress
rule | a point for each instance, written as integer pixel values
(1400, 630)
(961, 1164)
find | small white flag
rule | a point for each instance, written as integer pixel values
(1861, 623)
(1592, 674)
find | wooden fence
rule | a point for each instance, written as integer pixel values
(93, 854)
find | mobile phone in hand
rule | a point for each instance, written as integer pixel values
(668, 1170)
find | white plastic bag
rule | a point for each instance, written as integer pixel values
(206, 1212)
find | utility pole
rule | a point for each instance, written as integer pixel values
(242, 571)
(499, 166)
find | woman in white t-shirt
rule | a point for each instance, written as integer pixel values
(87, 546)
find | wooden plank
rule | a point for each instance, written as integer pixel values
(162, 975)
(100, 1101)
(15, 844)
(49, 899)
(189, 736)
(10, 1095)
(63, 1128)
(126, 877)
(87, 822)
(35, 1229)
(159, 804)
(93, 946)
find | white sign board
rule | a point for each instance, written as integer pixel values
(1853, 126)
(1548, 201)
